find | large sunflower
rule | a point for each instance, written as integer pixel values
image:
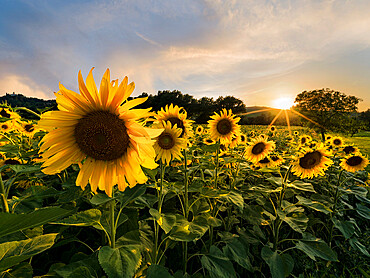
(176, 116)
(93, 129)
(168, 144)
(258, 149)
(312, 162)
(336, 141)
(224, 126)
(353, 163)
(350, 149)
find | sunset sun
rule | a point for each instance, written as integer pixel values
(283, 103)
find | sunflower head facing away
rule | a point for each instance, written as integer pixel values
(224, 126)
(176, 116)
(99, 131)
(312, 162)
(354, 162)
(258, 149)
(168, 144)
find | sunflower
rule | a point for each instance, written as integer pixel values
(175, 115)
(295, 133)
(355, 162)
(336, 141)
(10, 161)
(312, 162)
(264, 163)
(168, 144)
(224, 126)
(264, 136)
(272, 128)
(7, 126)
(258, 149)
(93, 129)
(349, 149)
(8, 113)
(28, 128)
(209, 141)
(304, 139)
(276, 160)
(199, 130)
(235, 141)
(243, 139)
(223, 150)
(328, 138)
(252, 134)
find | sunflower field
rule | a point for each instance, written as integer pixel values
(101, 189)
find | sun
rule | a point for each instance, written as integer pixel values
(283, 103)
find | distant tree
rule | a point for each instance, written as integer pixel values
(230, 102)
(365, 117)
(332, 110)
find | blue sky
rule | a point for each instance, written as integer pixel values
(256, 50)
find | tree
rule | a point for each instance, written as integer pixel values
(328, 108)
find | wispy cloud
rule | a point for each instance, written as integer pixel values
(242, 47)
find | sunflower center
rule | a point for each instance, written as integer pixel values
(29, 128)
(258, 148)
(264, 161)
(354, 161)
(4, 126)
(166, 141)
(274, 158)
(102, 135)
(209, 141)
(4, 114)
(179, 123)
(310, 160)
(303, 140)
(337, 142)
(11, 162)
(224, 127)
(348, 149)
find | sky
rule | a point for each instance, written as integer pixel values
(257, 51)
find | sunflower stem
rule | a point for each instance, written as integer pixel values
(160, 201)
(27, 110)
(4, 200)
(334, 208)
(112, 208)
(186, 205)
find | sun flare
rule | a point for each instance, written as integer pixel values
(283, 103)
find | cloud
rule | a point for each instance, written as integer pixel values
(204, 48)
(22, 85)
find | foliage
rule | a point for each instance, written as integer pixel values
(208, 215)
(328, 108)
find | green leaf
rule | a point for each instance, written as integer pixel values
(85, 267)
(274, 262)
(23, 270)
(357, 190)
(313, 204)
(235, 250)
(275, 181)
(265, 189)
(25, 169)
(354, 242)
(234, 198)
(14, 252)
(10, 223)
(181, 230)
(120, 263)
(218, 264)
(85, 218)
(296, 220)
(130, 194)
(288, 263)
(166, 221)
(99, 199)
(300, 185)
(315, 247)
(363, 211)
(158, 271)
(346, 227)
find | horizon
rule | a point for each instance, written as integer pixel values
(258, 52)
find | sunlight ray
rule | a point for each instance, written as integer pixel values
(276, 117)
(288, 121)
(308, 119)
(257, 111)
